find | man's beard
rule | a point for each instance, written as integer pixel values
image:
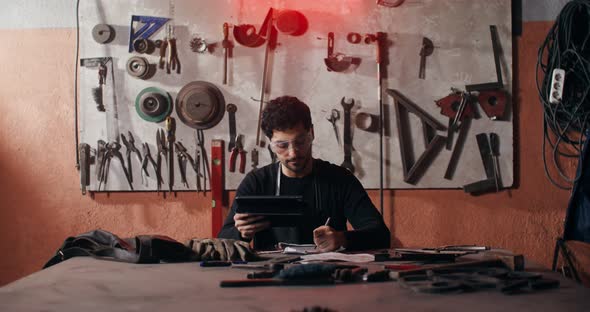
(301, 165)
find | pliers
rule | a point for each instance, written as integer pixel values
(238, 150)
(147, 157)
(183, 158)
(200, 140)
(130, 146)
(112, 150)
(162, 150)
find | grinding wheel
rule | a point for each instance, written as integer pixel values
(200, 105)
(153, 104)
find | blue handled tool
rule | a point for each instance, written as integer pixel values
(150, 25)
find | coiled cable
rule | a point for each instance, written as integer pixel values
(567, 46)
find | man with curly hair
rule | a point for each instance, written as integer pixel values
(329, 191)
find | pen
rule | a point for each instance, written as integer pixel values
(327, 222)
(219, 263)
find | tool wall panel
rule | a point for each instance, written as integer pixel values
(462, 54)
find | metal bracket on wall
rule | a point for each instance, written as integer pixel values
(414, 169)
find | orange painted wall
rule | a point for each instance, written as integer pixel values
(41, 204)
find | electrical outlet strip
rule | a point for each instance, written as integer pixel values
(557, 81)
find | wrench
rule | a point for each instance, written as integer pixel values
(347, 163)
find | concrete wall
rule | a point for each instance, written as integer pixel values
(40, 201)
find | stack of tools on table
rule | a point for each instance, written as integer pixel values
(497, 270)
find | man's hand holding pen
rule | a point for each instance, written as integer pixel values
(328, 239)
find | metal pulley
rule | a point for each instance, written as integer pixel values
(144, 46)
(153, 104)
(200, 105)
(103, 33)
(138, 67)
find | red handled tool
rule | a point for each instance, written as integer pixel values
(238, 149)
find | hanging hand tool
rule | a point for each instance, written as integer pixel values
(246, 35)
(183, 158)
(147, 157)
(162, 151)
(380, 60)
(490, 183)
(269, 30)
(231, 112)
(499, 84)
(403, 106)
(457, 106)
(101, 150)
(100, 64)
(149, 25)
(172, 62)
(454, 160)
(170, 130)
(200, 139)
(426, 50)
(495, 148)
(492, 96)
(333, 118)
(226, 44)
(197, 167)
(112, 151)
(254, 158)
(84, 152)
(130, 148)
(338, 62)
(97, 92)
(347, 163)
(163, 48)
(238, 150)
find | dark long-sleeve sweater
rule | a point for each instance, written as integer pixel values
(329, 191)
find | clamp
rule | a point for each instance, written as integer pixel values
(130, 146)
(237, 150)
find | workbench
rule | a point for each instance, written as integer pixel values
(85, 284)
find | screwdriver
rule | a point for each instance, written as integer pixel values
(495, 149)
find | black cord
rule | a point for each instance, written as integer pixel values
(567, 46)
(76, 83)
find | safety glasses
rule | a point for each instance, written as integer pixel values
(299, 143)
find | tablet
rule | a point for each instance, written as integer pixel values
(283, 210)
